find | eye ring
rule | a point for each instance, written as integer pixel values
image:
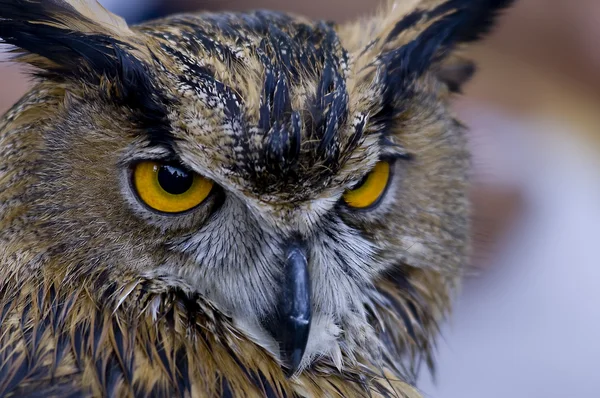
(169, 188)
(369, 192)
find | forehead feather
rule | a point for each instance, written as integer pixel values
(270, 87)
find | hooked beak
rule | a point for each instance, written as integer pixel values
(291, 323)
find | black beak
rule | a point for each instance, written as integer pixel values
(291, 324)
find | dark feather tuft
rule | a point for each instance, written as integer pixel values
(92, 56)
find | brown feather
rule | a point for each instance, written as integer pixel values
(102, 297)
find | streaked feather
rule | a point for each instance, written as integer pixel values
(76, 321)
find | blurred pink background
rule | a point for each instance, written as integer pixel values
(527, 322)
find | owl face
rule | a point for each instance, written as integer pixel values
(301, 176)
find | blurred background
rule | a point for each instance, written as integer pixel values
(527, 322)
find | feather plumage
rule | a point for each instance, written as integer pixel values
(102, 297)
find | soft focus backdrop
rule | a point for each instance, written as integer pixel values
(527, 322)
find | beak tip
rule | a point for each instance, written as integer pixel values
(292, 361)
(292, 343)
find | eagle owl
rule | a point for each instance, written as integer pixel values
(231, 204)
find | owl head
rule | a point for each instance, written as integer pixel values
(307, 179)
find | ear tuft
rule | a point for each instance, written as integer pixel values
(411, 39)
(69, 38)
(94, 11)
(429, 35)
(480, 17)
(79, 41)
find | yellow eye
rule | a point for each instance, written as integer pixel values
(371, 189)
(169, 189)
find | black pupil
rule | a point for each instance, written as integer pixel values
(174, 180)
